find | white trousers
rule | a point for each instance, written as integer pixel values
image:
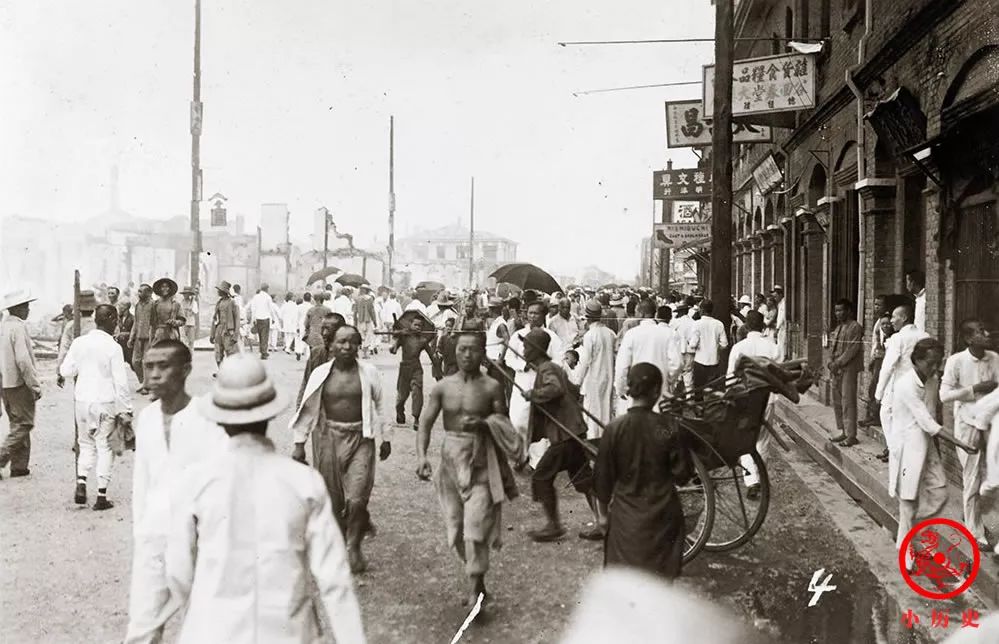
(972, 474)
(752, 475)
(930, 500)
(289, 341)
(94, 424)
(520, 409)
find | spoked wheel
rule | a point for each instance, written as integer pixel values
(737, 517)
(698, 501)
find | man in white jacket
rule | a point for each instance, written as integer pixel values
(101, 396)
(170, 436)
(649, 342)
(897, 363)
(254, 547)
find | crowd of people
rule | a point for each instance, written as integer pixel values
(528, 386)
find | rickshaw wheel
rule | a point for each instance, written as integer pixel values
(737, 517)
(698, 501)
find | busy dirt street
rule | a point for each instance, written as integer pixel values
(66, 568)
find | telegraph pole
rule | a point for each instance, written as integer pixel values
(326, 237)
(721, 159)
(196, 118)
(391, 243)
(471, 236)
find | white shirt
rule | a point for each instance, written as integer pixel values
(494, 343)
(392, 311)
(755, 345)
(919, 313)
(684, 326)
(566, 330)
(252, 544)
(344, 307)
(303, 312)
(98, 363)
(649, 342)
(289, 316)
(961, 373)
(240, 306)
(260, 306)
(514, 358)
(310, 411)
(416, 305)
(897, 362)
(706, 339)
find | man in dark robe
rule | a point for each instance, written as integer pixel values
(639, 462)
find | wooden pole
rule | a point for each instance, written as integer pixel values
(76, 304)
(391, 222)
(196, 121)
(471, 237)
(721, 159)
(326, 237)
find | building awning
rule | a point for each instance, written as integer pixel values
(898, 121)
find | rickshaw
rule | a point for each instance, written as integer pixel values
(721, 425)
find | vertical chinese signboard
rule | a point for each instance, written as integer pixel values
(686, 127)
(766, 85)
(684, 184)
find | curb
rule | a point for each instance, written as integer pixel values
(866, 488)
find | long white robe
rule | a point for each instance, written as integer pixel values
(596, 368)
(520, 409)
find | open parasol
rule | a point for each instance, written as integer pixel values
(526, 276)
(405, 322)
(322, 274)
(425, 296)
(351, 279)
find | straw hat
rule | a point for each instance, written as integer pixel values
(593, 310)
(165, 281)
(745, 299)
(243, 393)
(224, 287)
(18, 296)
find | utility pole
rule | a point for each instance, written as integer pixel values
(471, 236)
(197, 111)
(326, 237)
(721, 159)
(391, 244)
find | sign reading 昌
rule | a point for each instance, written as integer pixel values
(685, 184)
(686, 127)
(766, 85)
(676, 235)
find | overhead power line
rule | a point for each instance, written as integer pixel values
(629, 87)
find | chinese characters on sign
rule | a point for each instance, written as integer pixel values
(686, 127)
(767, 174)
(766, 85)
(677, 235)
(684, 184)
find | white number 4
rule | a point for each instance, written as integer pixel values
(816, 588)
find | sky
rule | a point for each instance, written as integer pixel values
(298, 95)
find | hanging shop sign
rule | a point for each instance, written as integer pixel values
(767, 174)
(686, 127)
(685, 184)
(766, 85)
(682, 235)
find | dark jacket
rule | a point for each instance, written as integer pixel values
(554, 394)
(845, 346)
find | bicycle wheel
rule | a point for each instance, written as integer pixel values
(698, 502)
(737, 517)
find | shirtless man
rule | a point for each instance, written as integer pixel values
(413, 343)
(474, 417)
(349, 393)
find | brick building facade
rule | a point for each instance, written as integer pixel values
(895, 168)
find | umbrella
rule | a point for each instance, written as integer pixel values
(322, 274)
(525, 276)
(351, 279)
(425, 296)
(429, 286)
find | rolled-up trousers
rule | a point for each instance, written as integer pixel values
(94, 423)
(410, 381)
(19, 403)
